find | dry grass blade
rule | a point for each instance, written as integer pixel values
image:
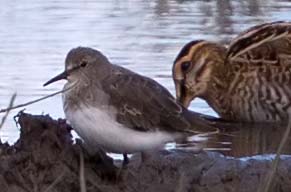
(8, 110)
(34, 101)
(56, 181)
(275, 163)
(82, 173)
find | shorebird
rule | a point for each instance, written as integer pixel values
(250, 81)
(118, 110)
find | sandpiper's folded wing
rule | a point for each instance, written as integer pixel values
(144, 104)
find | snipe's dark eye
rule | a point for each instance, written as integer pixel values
(185, 65)
(83, 63)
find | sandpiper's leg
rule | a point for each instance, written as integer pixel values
(123, 166)
(125, 160)
(144, 157)
(104, 165)
(147, 155)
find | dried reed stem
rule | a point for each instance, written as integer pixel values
(82, 173)
(275, 162)
(56, 181)
(34, 101)
(10, 106)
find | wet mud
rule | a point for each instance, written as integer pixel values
(47, 158)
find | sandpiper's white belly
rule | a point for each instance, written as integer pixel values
(99, 128)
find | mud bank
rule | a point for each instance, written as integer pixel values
(46, 158)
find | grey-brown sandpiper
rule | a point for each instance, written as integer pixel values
(120, 111)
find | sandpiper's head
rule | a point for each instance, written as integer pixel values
(79, 63)
(193, 69)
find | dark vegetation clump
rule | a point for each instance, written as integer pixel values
(47, 158)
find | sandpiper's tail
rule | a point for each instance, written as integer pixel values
(201, 123)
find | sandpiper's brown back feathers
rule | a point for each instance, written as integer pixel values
(145, 105)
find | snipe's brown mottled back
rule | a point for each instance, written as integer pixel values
(248, 81)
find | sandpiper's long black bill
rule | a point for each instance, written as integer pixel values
(61, 76)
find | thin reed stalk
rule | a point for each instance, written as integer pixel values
(271, 174)
(82, 173)
(34, 101)
(10, 106)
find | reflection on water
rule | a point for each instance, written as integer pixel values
(144, 36)
(250, 139)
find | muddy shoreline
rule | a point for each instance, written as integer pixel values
(46, 158)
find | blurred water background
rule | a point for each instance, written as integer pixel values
(142, 35)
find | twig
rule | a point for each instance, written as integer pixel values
(56, 181)
(8, 110)
(34, 101)
(82, 173)
(275, 162)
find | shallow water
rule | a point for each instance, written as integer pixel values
(144, 36)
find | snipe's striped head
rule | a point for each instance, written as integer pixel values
(192, 69)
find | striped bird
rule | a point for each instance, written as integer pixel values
(248, 81)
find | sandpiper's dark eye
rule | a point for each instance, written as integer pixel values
(83, 63)
(185, 65)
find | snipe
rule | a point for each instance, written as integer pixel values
(248, 81)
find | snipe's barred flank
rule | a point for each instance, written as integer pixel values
(248, 81)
